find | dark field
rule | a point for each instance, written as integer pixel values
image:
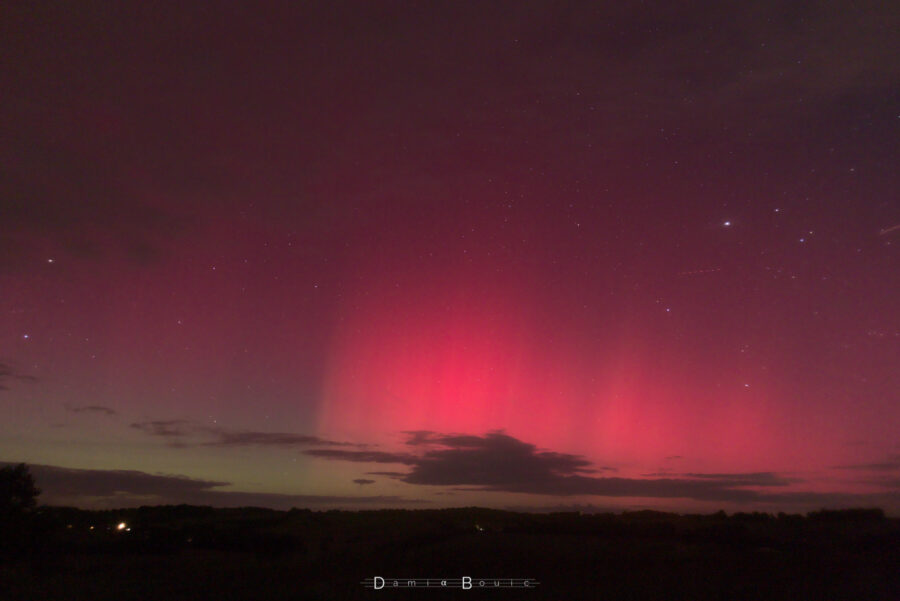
(202, 553)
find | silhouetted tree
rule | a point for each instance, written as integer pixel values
(18, 494)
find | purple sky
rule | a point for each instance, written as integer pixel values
(512, 254)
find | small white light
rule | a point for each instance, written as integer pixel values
(727, 224)
(121, 526)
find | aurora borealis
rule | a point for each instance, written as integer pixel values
(513, 254)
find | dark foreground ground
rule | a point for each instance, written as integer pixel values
(186, 552)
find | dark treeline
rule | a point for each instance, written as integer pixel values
(202, 552)
(267, 530)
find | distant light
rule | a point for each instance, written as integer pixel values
(91, 528)
(121, 526)
(26, 336)
(727, 224)
(49, 260)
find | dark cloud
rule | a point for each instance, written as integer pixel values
(8, 374)
(748, 479)
(183, 429)
(498, 462)
(124, 488)
(67, 482)
(890, 464)
(170, 428)
(419, 437)
(228, 438)
(501, 444)
(735, 479)
(96, 409)
(363, 456)
(363, 481)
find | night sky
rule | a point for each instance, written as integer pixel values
(511, 254)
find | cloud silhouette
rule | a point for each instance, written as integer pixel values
(127, 488)
(747, 479)
(883, 474)
(890, 464)
(363, 481)
(8, 374)
(226, 438)
(363, 456)
(168, 428)
(97, 409)
(183, 429)
(494, 460)
(498, 462)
